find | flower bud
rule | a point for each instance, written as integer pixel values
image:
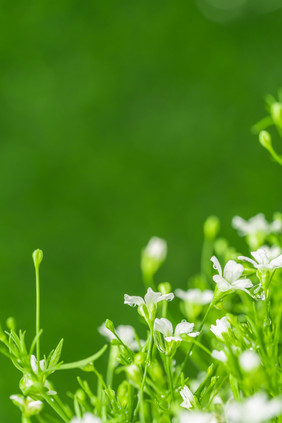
(164, 288)
(30, 385)
(80, 395)
(11, 323)
(134, 374)
(276, 113)
(139, 358)
(265, 140)
(109, 325)
(122, 393)
(153, 255)
(37, 256)
(211, 227)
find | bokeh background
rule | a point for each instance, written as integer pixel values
(120, 121)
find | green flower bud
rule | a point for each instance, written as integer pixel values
(211, 227)
(80, 395)
(164, 288)
(11, 323)
(134, 374)
(109, 325)
(30, 385)
(140, 358)
(276, 113)
(122, 393)
(37, 256)
(265, 140)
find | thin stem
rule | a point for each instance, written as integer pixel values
(192, 346)
(37, 313)
(170, 381)
(56, 408)
(140, 396)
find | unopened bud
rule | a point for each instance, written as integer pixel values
(211, 227)
(11, 323)
(164, 288)
(276, 113)
(109, 325)
(37, 256)
(265, 139)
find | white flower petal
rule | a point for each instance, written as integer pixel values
(242, 284)
(219, 355)
(276, 263)
(133, 300)
(173, 338)
(222, 284)
(232, 271)
(216, 265)
(163, 326)
(152, 297)
(243, 258)
(184, 327)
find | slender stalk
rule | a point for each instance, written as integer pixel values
(140, 403)
(37, 313)
(192, 346)
(56, 408)
(170, 381)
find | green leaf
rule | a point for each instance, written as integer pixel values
(56, 354)
(82, 363)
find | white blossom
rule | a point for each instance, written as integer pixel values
(262, 260)
(219, 355)
(150, 298)
(249, 360)
(87, 418)
(165, 327)
(188, 398)
(125, 332)
(156, 249)
(252, 226)
(196, 417)
(222, 326)
(27, 405)
(230, 278)
(195, 296)
(255, 409)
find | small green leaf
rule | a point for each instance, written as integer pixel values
(56, 354)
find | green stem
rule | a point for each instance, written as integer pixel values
(192, 346)
(37, 313)
(140, 403)
(170, 381)
(56, 408)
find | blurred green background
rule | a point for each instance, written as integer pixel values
(120, 121)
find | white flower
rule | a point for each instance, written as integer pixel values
(262, 260)
(221, 326)
(150, 298)
(195, 296)
(125, 332)
(249, 360)
(252, 226)
(196, 417)
(165, 327)
(34, 364)
(219, 355)
(87, 418)
(156, 249)
(256, 409)
(230, 278)
(273, 252)
(29, 406)
(188, 398)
